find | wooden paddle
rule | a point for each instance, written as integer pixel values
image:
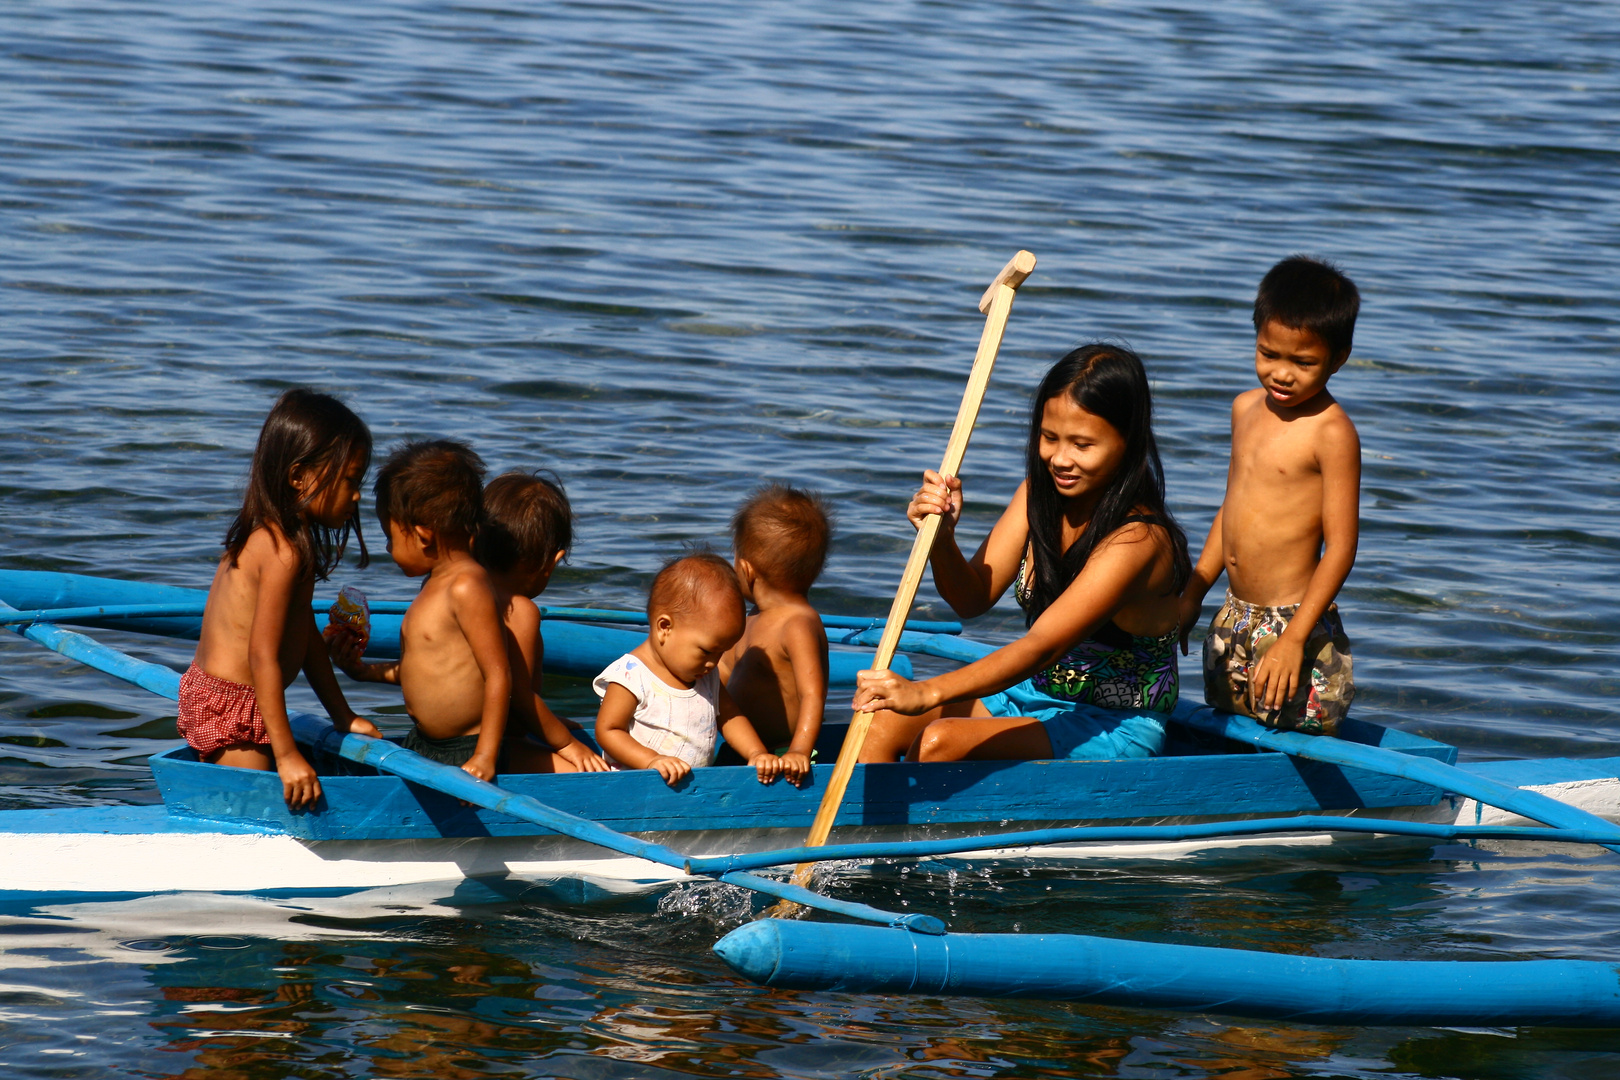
(996, 304)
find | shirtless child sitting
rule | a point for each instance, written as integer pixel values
(452, 663)
(1286, 533)
(527, 531)
(777, 671)
(663, 703)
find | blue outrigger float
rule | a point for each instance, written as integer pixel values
(390, 820)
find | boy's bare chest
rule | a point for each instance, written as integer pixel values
(1266, 450)
(429, 628)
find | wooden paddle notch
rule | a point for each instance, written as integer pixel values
(997, 305)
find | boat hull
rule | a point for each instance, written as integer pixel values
(148, 849)
(228, 830)
(983, 794)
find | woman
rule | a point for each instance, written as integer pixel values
(1097, 564)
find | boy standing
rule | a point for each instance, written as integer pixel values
(453, 663)
(777, 671)
(1286, 532)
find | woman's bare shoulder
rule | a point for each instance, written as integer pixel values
(1140, 542)
(1142, 527)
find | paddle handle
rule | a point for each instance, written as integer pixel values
(1012, 275)
(999, 306)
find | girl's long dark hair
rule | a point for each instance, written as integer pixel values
(1107, 381)
(319, 432)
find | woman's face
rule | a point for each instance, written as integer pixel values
(1081, 450)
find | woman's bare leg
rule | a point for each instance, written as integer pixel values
(984, 738)
(892, 733)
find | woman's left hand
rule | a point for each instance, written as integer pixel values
(876, 690)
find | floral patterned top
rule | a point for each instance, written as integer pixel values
(1112, 668)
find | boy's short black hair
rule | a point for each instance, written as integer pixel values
(1304, 293)
(435, 483)
(685, 582)
(527, 520)
(784, 534)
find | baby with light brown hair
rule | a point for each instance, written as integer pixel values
(663, 703)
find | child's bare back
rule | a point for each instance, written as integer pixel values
(780, 668)
(439, 673)
(777, 671)
(268, 563)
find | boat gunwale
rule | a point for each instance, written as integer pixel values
(990, 793)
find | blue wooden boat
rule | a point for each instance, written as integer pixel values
(389, 821)
(229, 830)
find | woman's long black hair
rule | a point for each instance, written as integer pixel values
(319, 432)
(1107, 381)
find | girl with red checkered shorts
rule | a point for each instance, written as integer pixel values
(258, 630)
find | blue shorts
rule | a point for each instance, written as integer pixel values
(1083, 732)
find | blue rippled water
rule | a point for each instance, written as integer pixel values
(668, 249)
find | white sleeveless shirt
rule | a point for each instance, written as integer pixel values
(668, 720)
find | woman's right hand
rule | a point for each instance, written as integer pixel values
(940, 495)
(876, 690)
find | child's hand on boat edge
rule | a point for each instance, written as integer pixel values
(357, 725)
(299, 784)
(672, 769)
(795, 768)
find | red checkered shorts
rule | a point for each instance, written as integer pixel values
(216, 712)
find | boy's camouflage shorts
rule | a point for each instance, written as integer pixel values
(1240, 635)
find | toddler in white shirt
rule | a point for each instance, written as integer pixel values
(663, 703)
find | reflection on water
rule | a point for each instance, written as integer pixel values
(390, 984)
(668, 250)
